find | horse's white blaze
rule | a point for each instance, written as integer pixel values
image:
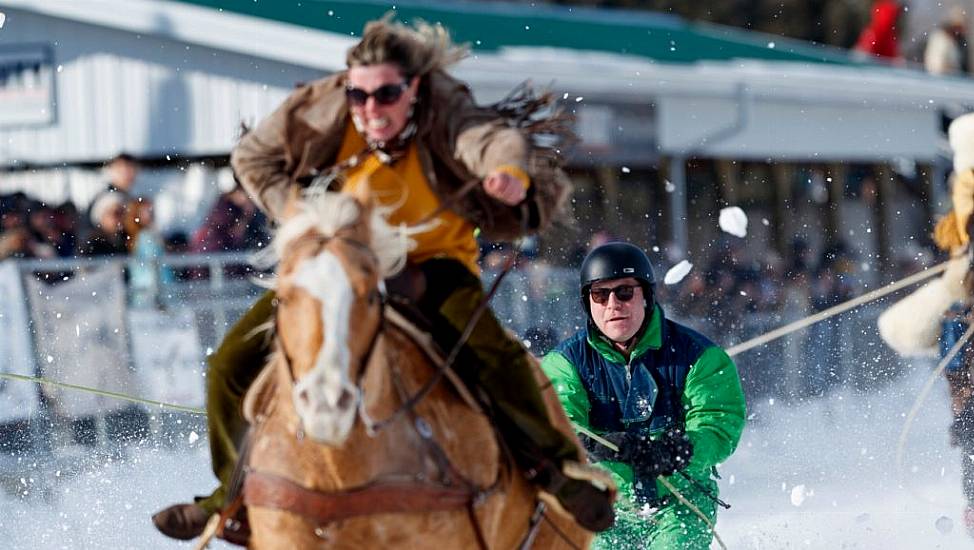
(325, 398)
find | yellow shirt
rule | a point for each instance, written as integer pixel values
(403, 187)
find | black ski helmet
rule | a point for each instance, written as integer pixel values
(616, 260)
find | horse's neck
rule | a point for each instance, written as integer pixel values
(392, 453)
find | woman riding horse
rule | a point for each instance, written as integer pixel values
(360, 437)
(395, 126)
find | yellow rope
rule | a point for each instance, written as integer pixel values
(835, 310)
(212, 526)
(924, 393)
(732, 351)
(106, 393)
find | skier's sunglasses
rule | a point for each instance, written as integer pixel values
(623, 293)
(383, 95)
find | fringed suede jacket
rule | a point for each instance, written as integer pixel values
(458, 140)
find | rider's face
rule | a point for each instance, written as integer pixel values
(379, 118)
(617, 319)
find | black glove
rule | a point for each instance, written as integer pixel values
(668, 453)
(597, 452)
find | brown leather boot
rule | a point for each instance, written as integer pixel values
(583, 492)
(181, 521)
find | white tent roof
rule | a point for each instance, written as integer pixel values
(738, 109)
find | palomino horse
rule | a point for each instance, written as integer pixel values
(340, 456)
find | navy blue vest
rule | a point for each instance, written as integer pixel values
(650, 396)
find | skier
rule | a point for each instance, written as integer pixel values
(939, 313)
(668, 397)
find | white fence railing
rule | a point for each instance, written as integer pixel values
(95, 322)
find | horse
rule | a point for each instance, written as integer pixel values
(360, 438)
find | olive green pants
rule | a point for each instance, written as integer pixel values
(491, 360)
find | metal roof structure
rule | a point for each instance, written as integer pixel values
(491, 26)
(679, 89)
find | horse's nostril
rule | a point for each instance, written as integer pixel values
(303, 396)
(345, 401)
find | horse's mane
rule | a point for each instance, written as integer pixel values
(326, 212)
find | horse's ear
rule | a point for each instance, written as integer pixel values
(292, 205)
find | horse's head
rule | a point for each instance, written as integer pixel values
(333, 254)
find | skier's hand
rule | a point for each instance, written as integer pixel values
(505, 187)
(597, 452)
(662, 456)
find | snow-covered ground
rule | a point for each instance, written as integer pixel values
(824, 475)
(841, 450)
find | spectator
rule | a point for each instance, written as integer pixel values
(946, 50)
(16, 239)
(147, 279)
(108, 236)
(67, 221)
(43, 231)
(15, 243)
(879, 38)
(233, 224)
(122, 171)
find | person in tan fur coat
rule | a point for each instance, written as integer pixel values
(933, 318)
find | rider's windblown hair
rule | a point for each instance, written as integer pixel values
(417, 49)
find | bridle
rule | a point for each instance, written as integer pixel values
(375, 298)
(453, 480)
(469, 491)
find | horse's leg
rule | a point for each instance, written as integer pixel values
(564, 526)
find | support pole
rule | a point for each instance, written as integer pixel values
(678, 203)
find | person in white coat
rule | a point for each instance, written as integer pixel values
(946, 50)
(933, 318)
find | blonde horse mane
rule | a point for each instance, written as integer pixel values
(327, 212)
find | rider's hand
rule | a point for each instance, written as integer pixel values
(505, 187)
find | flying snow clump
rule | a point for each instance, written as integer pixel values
(677, 273)
(733, 220)
(798, 495)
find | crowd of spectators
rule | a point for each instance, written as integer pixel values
(733, 294)
(120, 223)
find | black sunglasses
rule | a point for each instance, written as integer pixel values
(384, 95)
(623, 293)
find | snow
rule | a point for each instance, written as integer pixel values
(841, 452)
(733, 220)
(816, 475)
(677, 273)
